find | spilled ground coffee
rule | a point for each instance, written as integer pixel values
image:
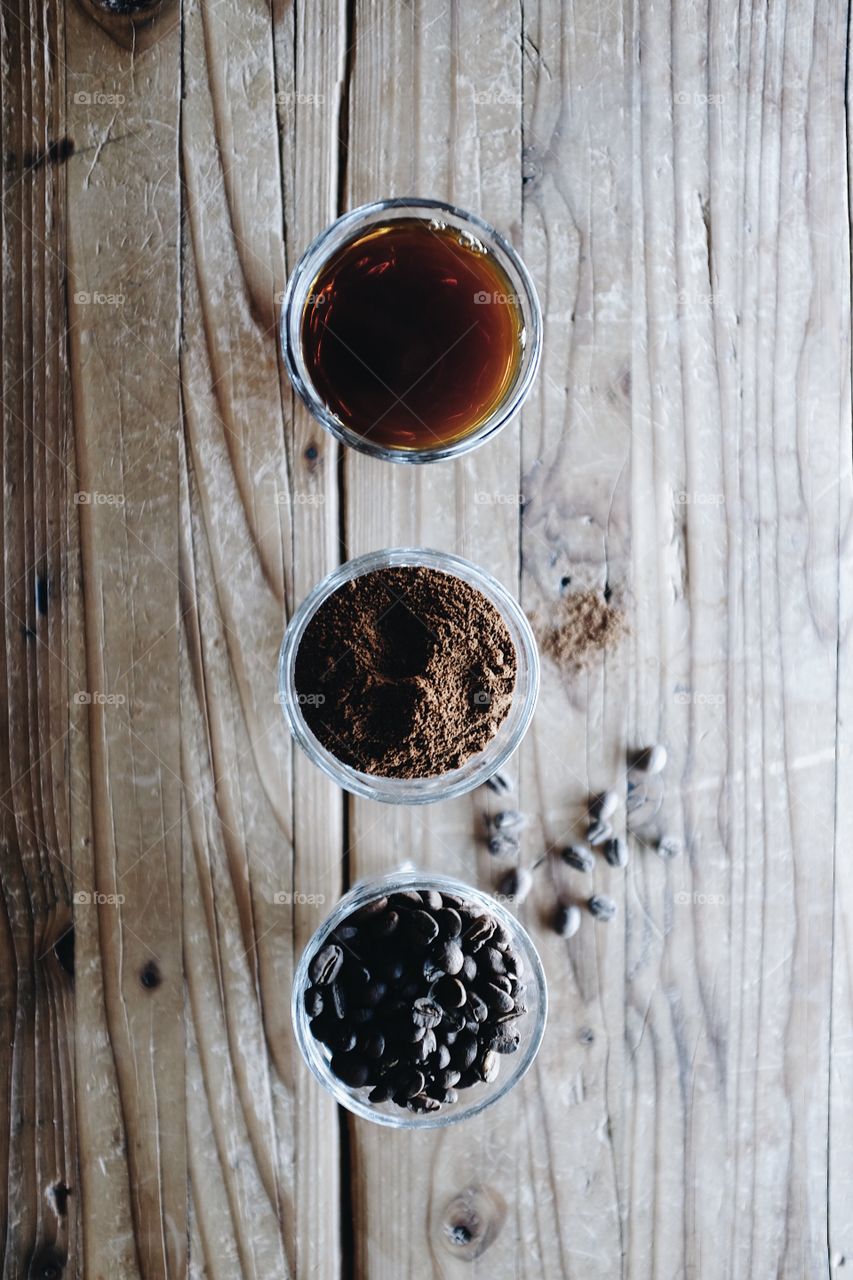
(405, 672)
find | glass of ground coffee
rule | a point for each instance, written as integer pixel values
(420, 1001)
(411, 330)
(409, 675)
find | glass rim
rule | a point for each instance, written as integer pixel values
(474, 771)
(305, 272)
(390, 882)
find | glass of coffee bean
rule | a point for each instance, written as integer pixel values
(420, 1001)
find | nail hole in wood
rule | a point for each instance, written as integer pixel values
(565, 581)
(150, 975)
(41, 593)
(312, 453)
(608, 592)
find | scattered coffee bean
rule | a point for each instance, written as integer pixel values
(616, 852)
(598, 832)
(650, 759)
(578, 856)
(567, 920)
(499, 783)
(516, 884)
(669, 847)
(602, 907)
(507, 820)
(420, 998)
(503, 844)
(604, 805)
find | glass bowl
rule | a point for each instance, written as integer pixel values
(346, 228)
(472, 1100)
(477, 768)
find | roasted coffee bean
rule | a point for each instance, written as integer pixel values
(348, 1067)
(479, 1008)
(450, 993)
(503, 981)
(464, 1051)
(336, 1000)
(412, 1083)
(604, 805)
(326, 965)
(448, 1078)
(500, 937)
(602, 907)
(468, 972)
(505, 1039)
(498, 999)
(421, 927)
(383, 925)
(354, 977)
(449, 1036)
(578, 857)
(516, 884)
(491, 960)
(373, 1044)
(370, 909)
(598, 832)
(616, 852)
(416, 1031)
(470, 1077)
(382, 1092)
(448, 956)
(513, 963)
(455, 1019)
(406, 898)
(422, 1102)
(442, 1057)
(507, 820)
(392, 968)
(342, 1038)
(432, 899)
(313, 1001)
(452, 900)
(479, 931)
(503, 844)
(567, 919)
(422, 1048)
(669, 847)
(427, 1012)
(650, 759)
(344, 933)
(499, 783)
(489, 1066)
(449, 922)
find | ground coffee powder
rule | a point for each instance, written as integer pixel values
(405, 672)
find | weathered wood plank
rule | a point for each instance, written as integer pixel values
(259, 526)
(39, 1193)
(123, 276)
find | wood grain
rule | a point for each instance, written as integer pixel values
(39, 1194)
(676, 178)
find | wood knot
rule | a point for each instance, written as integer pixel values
(471, 1221)
(57, 1195)
(150, 975)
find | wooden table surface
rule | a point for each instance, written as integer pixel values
(676, 177)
